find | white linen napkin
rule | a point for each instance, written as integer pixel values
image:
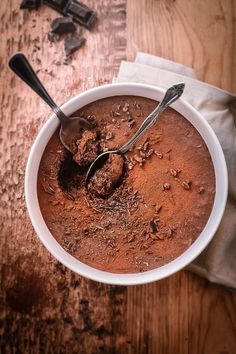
(218, 262)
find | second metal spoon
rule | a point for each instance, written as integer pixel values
(171, 95)
(71, 127)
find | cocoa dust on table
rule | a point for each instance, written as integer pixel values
(154, 211)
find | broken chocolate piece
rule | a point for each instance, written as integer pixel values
(71, 45)
(78, 11)
(63, 25)
(30, 4)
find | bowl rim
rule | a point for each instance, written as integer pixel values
(126, 278)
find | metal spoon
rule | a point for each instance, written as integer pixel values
(171, 95)
(71, 128)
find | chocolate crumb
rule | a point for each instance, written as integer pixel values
(174, 173)
(201, 190)
(186, 184)
(109, 136)
(71, 45)
(137, 105)
(149, 153)
(48, 188)
(159, 154)
(116, 114)
(142, 154)
(158, 208)
(126, 107)
(131, 123)
(165, 186)
(130, 165)
(145, 146)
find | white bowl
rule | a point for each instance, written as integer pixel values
(137, 278)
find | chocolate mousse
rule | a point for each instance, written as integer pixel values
(87, 148)
(139, 210)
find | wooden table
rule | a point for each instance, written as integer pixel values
(46, 308)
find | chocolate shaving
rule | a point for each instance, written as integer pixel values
(158, 208)
(109, 136)
(186, 185)
(154, 226)
(159, 154)
(201, 190)
(126, 107)
(165, 186)
(174, 173)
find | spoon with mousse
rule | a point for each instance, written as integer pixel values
(171, 95)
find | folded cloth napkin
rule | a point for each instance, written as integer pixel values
(218, 262)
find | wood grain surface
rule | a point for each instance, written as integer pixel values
(45, 308)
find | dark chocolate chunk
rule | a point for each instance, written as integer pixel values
(63, 25)
(71, 45)
(58, 5)
(30, 4)
(81, 13)
(154, 226)
(78, 11)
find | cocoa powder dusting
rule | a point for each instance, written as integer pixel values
(140, 210)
